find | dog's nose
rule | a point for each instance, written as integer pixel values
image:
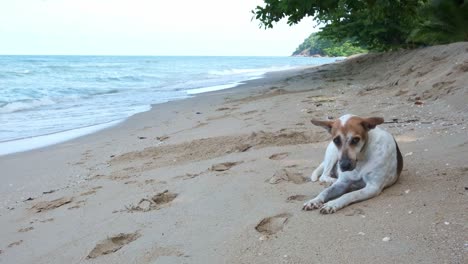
(345, 165)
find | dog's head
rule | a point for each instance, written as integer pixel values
(349, 134)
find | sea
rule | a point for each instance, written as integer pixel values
(46, 100)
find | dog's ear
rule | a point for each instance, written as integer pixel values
(325, 124)
(371, 122)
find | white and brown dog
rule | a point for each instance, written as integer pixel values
(364, 159)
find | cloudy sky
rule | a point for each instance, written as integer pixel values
(143, 27)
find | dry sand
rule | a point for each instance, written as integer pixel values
(221, 178)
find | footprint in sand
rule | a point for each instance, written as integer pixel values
(26, 229)
(286, 175)
(188, 176)
(154, 203)
(272, 225)
(152, 254)
(14, 244)
(249, 112)
(241, 148)
(149, 181)
(77, 205)
(130, 182)
(279, 156)
(49, 205)
(112, 244)
(224, 166)
(355, 211)
(297, 197)
(88, 193)
(73, 207)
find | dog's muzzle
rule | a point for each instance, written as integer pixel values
(346, 164)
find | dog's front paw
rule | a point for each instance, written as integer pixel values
(312, 204)
(327, 179)
(328, 208)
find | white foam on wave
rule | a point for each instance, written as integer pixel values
(25, 144)
(249, 72)
(212, 88)
(218, 87)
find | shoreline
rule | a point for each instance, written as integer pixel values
(221, 177)
(114, 88)
(133, 123)
(48, 140)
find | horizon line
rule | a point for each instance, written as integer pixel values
(122, 55)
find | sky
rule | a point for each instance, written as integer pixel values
(143, 27)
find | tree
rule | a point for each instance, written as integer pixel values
(444, 21)
(372, 24)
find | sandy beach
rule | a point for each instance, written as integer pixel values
(221, 177)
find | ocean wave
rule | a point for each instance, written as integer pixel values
(112, 91)
(126, 78)
(24, 105)
(21, 72)
(17, 73)
(55, 93)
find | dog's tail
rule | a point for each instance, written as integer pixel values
(317, 172)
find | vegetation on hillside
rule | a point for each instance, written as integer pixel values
(446, 21)
(314, 45)
(375, 24)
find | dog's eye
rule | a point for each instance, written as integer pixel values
(337, 141)
(355, 140)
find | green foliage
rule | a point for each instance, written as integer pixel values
(318, 45)
(345, 49)
(444, 21)
(372, 24)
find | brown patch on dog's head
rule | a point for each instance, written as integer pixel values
(349, 134)
(325, 124)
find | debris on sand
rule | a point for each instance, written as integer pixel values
(162, 138)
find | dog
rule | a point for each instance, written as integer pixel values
(364, 158)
